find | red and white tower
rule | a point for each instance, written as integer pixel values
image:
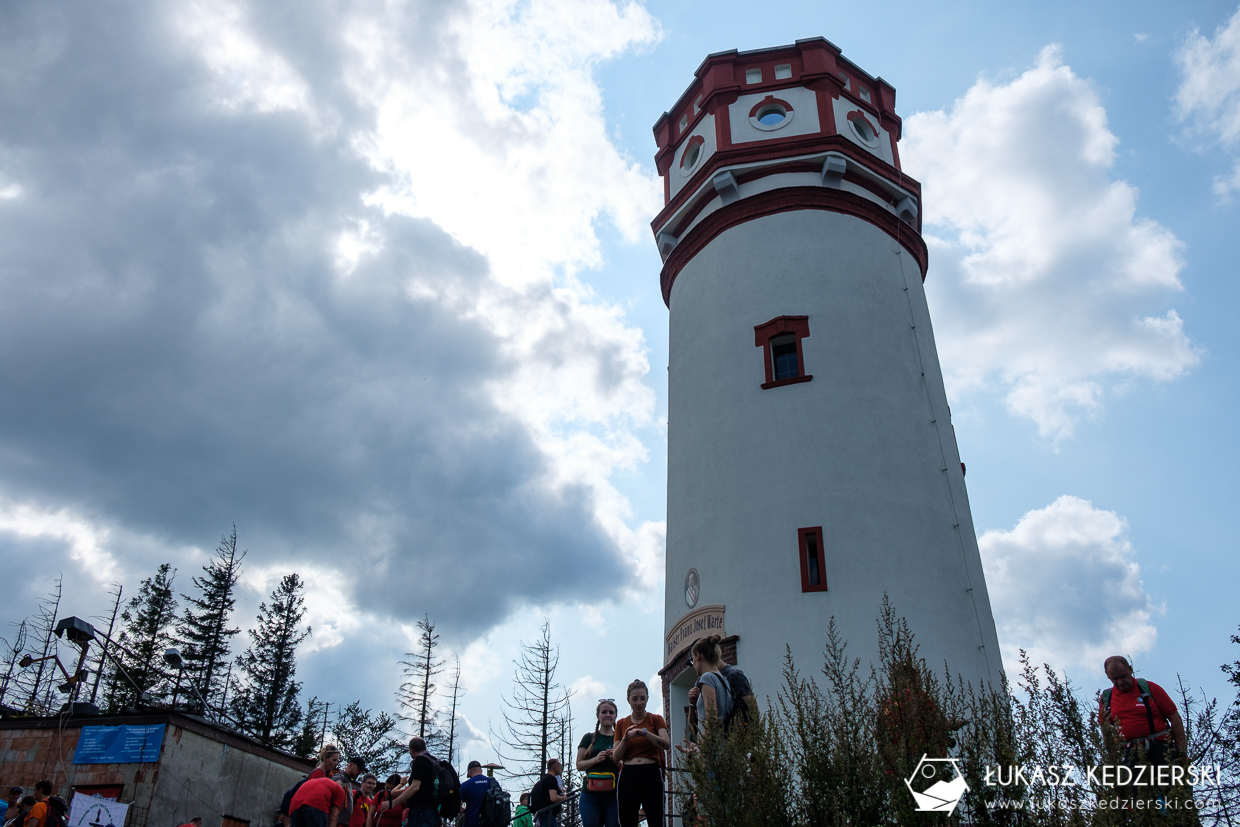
(812, 464)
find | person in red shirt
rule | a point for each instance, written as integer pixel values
(363, 801)
(317, 803)
(1140, 719)
(391, 816)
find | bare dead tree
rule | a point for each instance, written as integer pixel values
(532, 714)
(117, 590)
(11, 658)
(417, 691)
(39, 696)
(457, 691)
(571, 817)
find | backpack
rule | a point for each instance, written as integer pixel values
(287, 800)
(58, 810)
(447, 789)
(496, 806)
(742, 695)
(1146, 697)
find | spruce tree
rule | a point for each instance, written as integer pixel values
(358, 731)
(264, 703)
(205, 636)
(146, 631)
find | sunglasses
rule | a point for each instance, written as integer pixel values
(607, 700)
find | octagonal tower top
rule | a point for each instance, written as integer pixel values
(781, 119)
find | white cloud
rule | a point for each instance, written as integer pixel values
(1064, 586)
(1044, 282)
(1209, 94)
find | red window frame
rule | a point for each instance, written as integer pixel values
(763, 333)
(803, 552)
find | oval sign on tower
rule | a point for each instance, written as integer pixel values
(693, 588)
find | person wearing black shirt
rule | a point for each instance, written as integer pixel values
(546, 794)
(419, 796)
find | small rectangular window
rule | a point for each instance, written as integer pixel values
(865, 95)
(697, 105)
(783, 71)
(780, 340)
(813, 559)
(684, 122)
(753, 76)
(844, 78)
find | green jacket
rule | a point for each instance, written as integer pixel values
(522, 817)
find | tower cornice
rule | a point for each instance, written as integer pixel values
(788, 199)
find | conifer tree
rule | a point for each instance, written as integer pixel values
(264, 702)
(313, 731)
(146, 631)
(417, 691)
(205, 636)
(358, 731)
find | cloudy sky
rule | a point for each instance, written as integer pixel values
(374, 282)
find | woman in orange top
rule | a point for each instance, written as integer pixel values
(641, 739)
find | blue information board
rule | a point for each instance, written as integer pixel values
(119, 744)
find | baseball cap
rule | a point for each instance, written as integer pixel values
(359, 762)
(473, 764)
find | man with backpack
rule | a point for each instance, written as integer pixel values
(1143, 714)
(473, 794)
(433, 789)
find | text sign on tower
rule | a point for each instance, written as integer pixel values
(706, 620)
(119, 744)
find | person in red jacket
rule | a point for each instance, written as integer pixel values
(317, 803)
(1141, 711)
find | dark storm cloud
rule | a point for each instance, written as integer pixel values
(179, 350)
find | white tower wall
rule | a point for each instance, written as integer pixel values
(865, 449)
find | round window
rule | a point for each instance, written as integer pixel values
(772, 115)
(864, 130)
(691, 156)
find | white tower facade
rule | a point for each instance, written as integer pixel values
(812, 464)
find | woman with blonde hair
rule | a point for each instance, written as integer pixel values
(641, 739)
(594, 757)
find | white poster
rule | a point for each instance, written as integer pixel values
(93, 811)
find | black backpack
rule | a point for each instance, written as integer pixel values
(447, 789)
(741, 690)
(287, 800)
(496, 806)
(59, 811)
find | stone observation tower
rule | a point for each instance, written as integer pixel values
(812, 464)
